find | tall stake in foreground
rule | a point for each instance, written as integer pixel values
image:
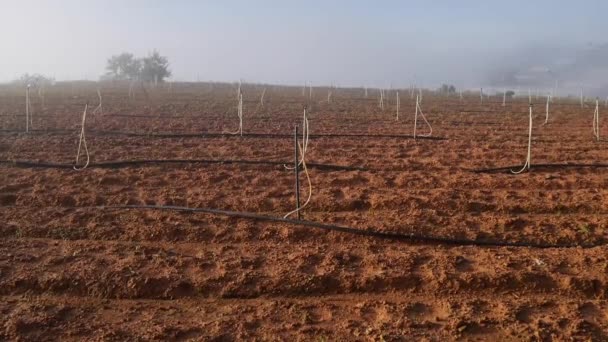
(301, 160)
(596, 120)
(527, 164)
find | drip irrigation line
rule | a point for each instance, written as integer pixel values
(128, 163)
(507, 169)
(260, 135)
(40, 131)
(140, 116)
(220, 135)
(413, 238)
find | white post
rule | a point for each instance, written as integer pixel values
(416, 118)
(481, 95)
(82, 141)
(596, 120)
(504, 97)
(582, 99)
(547, 110)
(527, 164)
(529, 96)
(398, 105)
(262, 97)
(99, 108)
(27, 109)
(131, 93)
(365, 92)
(41, 93)
(241, 113)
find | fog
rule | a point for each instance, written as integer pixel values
(470, 44)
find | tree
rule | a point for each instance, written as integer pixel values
(447, 89)
(124, 67)
(155, 68)
(34, 80)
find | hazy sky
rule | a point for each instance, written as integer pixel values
(280, 41)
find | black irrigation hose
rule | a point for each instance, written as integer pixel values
(507, 169)
(414, 238)
(128, 163)
(42, 131)
(219, 135)
(260, 135)
(139, 116)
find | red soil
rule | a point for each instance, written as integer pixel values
(71, 271)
